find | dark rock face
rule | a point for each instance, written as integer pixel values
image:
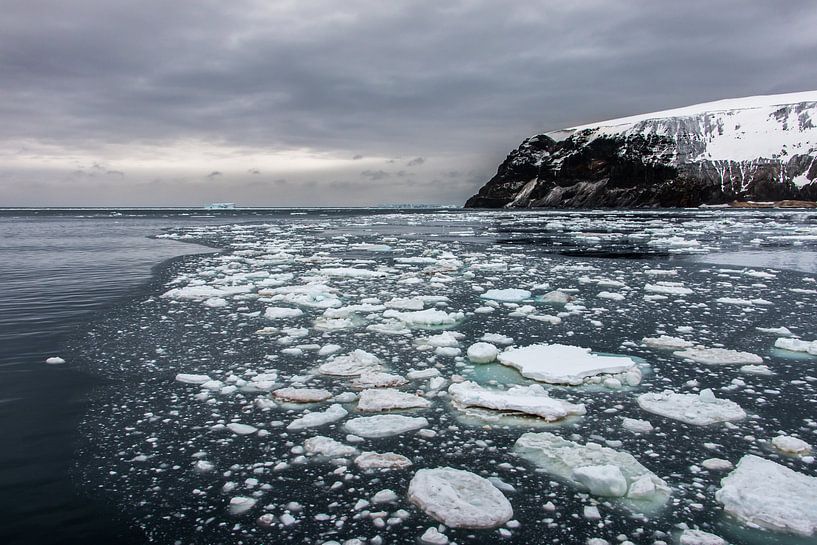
(635, 171)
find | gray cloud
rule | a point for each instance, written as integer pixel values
(457, 83)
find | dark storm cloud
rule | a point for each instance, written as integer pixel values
(398, 79)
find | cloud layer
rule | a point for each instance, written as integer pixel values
(151, 103)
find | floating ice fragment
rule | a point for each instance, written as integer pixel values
(510, 295)
(791, 445)
(385, 425)
(302, 395)
(54, 360)
(275, 313)
(561, 458)
(241, 504)
(635, 425)
(764, 494)
(375, 400)
(699, 537)
(718, 356)
(459, 499)
(426, 318)
(665, 342)
(700, 410)
(241, 429)
(352, 364)
(192, 379)
(386, 460)
(532, 400)
(326, 446)
(312, 420)
(564, 364)
(797, 345)
(482, 352)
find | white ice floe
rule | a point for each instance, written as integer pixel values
(387, 399)
(717, 464)
(556, 297)
(564, 364)
(54, 360)
(350, 272)
(699, 537)
(779, 331)
(432, 536)
(350, 365)
(377, 379)
(665, 342)
(611, 295)
(302, 395)
(241, 504)
(510, 295)
(791, 445)
(312, 420)
(446, 339)
(482, 352)
(386, 425)
(635, 425)
(756, 370)
(459, 499)
(532, 400)
(600, 470)
(764, 494)
(797, 345)
(496, 338)
(277, 313)
(326, 446)
(192, 379)
(701, 409)
(241, 429)
(718, 356)
(386, 460)
(426, 318)
(667, 288)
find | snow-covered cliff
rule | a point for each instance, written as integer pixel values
(754, 148)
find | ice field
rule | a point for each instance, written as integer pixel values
(467, 377)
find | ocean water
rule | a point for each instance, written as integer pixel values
(110, 447)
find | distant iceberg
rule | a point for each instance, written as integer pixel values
(220, 206)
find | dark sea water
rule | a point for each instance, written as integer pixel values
(83, 285)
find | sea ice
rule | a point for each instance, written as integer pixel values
(386, 399)
(426, 318)
(377, 380)
(593, 467)
(350, 365)
(312, 420)
(459, 499)
(532, 400)
(790, 445)
(302, 395)
(276, 313)
(701, 409)
(510, 295)
(563, 364)
(482, 352)
(665, 342)
(326, 446)
(797, 345)
(764, 494)
(241, 429)
(386, 460)
(635, 425)
(192, 379)
(718, 356)
(699, 537)
(54, 360)
(386, 425)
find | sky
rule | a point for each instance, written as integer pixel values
(352, 102)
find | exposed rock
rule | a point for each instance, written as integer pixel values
(749, 149)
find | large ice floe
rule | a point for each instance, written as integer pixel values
(530, 400)
(764, 494)
(564, 364)
(600, 470)
(386, 399)
(384, 425)
(458, 498)
(699, 409)
(719, 356)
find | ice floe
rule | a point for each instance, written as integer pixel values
(764, 494)
(531, 400)
(386, 425)
(387, 399)
(719, 356)
(564, 364)
(698, 409)
(459, 499)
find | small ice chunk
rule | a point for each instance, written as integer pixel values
(384, 496)
(556, 297)
(241, 504)
(241, 429)
(718, 356)
(717, 464)
(426, 318)
(351, 364)
(302, 395)
(497, 338)
(665, 342)
(387, 399)
(192, 379)
(384, 425)
(790, 445)
(56, 360)
(433, 537)
(510, 295)
(797, 345)
(325, 446)
(700, 410)
(602, 480)
(699, 537)
(312, 420)
(532, 400)
(459, 499)
(278, 313)
(386, 460)
(764, 494)
(377, 379)
(482, 352)
(635, 425)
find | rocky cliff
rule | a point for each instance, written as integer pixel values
(750, 149)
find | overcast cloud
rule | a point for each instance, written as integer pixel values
(354, 102)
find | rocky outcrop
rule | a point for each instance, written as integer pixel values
(763, 150)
